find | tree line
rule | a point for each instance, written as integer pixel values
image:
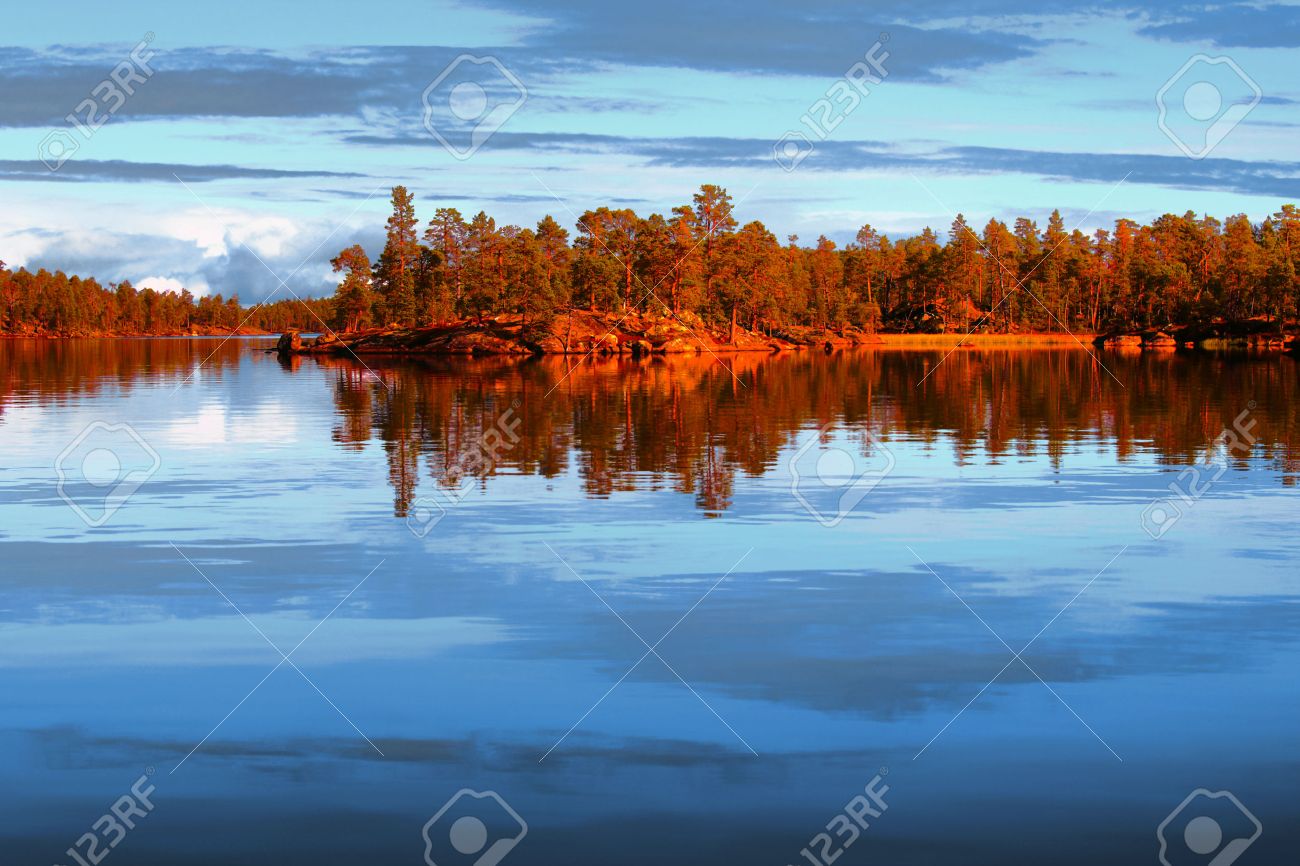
(1004, 278)
(41, 302)
(699, 259)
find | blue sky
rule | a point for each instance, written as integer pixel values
(287, 123)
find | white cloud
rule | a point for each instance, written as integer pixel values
(196, 285)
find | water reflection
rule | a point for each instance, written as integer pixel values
(692, 425)
(472, 650)
(55, 370)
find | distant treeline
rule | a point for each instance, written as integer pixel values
(44, 303)
(1179, 269)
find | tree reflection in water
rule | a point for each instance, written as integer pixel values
(692, 424)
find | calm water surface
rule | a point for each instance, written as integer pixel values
(463, 611)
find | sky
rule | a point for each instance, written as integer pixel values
(237, 147)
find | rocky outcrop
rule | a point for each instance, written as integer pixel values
(1158, 341)
(290, 342)
(577, 332)
(1261, 334)
(1120, 342)
(1143, 341)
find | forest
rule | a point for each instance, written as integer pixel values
(42, 303)
(1178, 269)
(1000, 278)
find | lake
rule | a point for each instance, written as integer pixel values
(898, 607)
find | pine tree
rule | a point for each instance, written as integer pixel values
(396, 269)
(353, 299)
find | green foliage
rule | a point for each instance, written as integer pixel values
(395, 272)
(354, 300)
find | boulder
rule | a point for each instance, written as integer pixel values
(1160, 341)
(483, 344)
(289, 342)
(1122, 341)
(677, 345)
(551, 345)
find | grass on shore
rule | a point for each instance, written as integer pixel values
(1021, 341)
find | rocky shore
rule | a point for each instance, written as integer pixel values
(578, 332)
(1257, 335)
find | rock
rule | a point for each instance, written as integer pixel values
(1121, 341)
(1268, 341)
(551, 345)
(482, 344)
(1160, 341)
(677, 345)
(324, 340)
(690, 320)
(641, 348)
(289, 343)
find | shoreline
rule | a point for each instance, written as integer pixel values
(407, 342)
(209, 332)
(992, 341)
